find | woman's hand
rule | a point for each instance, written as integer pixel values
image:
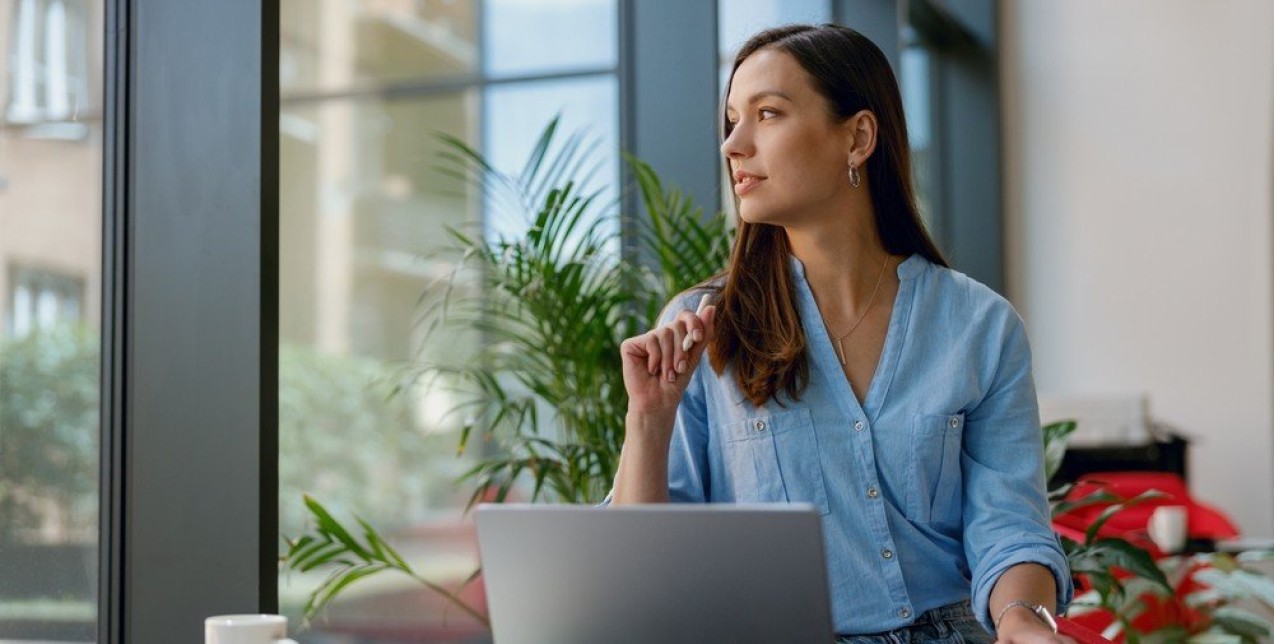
(1019, 626)
(657, 367)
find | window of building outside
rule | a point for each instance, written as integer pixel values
(50, 294)
(48, 64)
(367, 88)
(42, 301)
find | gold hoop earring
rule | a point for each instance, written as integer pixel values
(855, 179)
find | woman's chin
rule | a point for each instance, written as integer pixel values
(752, 214)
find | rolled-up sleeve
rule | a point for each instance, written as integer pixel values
(1006, 514)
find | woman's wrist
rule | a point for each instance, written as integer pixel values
(655, 426)
(1021, 617)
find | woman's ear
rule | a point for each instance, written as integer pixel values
(861, 137)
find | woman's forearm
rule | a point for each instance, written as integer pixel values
(642, 475)
(1028, 582)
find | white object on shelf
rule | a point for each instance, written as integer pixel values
(1102, 420)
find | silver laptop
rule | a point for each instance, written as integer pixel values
(654, 574)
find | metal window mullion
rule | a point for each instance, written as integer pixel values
(110, 623)
(188, 329)
(441, 86)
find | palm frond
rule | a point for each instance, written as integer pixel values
(330, 544)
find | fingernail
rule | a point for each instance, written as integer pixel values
(672, 376)
(687, 343)
(681, 366)
(697, 335)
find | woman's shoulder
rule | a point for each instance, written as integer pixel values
(955, 292)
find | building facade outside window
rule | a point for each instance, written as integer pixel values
(50, 300)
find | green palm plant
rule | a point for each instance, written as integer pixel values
(553, 306)
(543, 391)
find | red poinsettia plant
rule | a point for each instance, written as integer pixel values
(1128, 589)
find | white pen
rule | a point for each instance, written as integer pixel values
(703, 305)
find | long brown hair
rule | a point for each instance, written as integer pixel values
(758, 323)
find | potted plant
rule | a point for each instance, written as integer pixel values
(1132, 597)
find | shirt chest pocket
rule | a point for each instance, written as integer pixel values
(774, 458)
(936, 493)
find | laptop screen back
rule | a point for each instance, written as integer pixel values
(566, 574)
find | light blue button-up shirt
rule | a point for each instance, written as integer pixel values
(930, 490)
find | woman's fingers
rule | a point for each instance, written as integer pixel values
(670, 350)
(667, 345)
(692, 330)
(653, 353)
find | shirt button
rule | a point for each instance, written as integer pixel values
(904, 612)
(760, 425)
(955, 422)
(887, 553)
(872, 493)
(858, 425)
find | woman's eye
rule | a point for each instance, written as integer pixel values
(767, 113)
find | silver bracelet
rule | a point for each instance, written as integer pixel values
(1040, 611)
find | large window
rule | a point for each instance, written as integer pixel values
(186, 305)
(50, 293)
(367, 88)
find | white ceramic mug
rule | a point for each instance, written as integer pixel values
(1167, 527)
(246, 629)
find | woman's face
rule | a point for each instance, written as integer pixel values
(788, 159)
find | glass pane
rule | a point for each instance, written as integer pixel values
(916, 85)
(547, 36)
(362, 209)
(337, 45)
(50, 294)
(738, 20)
(518, 112)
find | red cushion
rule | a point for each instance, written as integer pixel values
(1204, 522)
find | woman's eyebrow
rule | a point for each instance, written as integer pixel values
(763, 94)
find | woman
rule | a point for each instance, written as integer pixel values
(849, 367)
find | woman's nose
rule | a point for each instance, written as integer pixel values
(736, 145)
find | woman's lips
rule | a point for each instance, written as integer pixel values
(746, 184)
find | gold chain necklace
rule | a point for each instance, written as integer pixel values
(840, 348)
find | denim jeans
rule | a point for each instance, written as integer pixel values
(952, 624)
